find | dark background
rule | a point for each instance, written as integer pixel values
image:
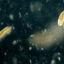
(38, 20)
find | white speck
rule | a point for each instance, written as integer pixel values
(30, 48)
(59, 58)
(11, 16)
(20, 15)
(15, 60)
(30, 61)
(32, 35)
(58, 53)
(5, 53)
(14, 42)
(42, 49)
(45, 30)
(53, 62)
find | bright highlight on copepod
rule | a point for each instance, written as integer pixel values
(5, 31)
(61, 19)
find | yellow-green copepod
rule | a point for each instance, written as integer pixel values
(61, 19)
(5, 31)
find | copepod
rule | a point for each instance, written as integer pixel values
(61, 19)
(5, 31)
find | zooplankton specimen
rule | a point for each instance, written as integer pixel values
(5, 31)
(61, 19)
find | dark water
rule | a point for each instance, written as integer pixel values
(29, 16)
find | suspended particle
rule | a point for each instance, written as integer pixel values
(5, 53)
(20, 15)
(11, 16)
(59, 58)
(30, 48)
(35, 6)
(53, 62)
(14, 42)
(15, 61)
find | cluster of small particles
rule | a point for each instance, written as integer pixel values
(28, 17)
